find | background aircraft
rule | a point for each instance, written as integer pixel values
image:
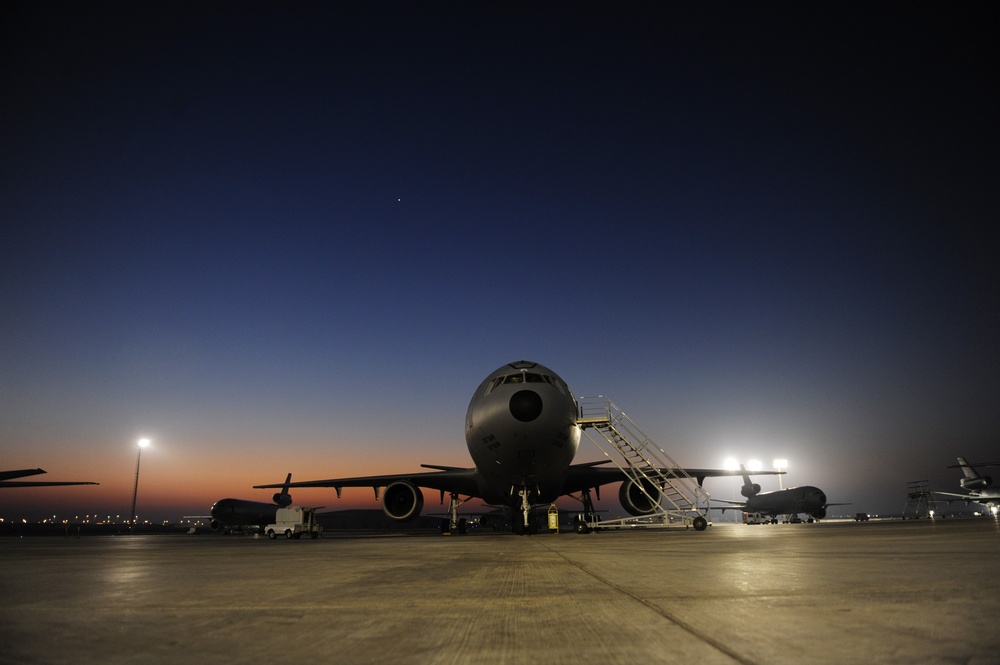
(238, 514)
(522, 431)
(790, 502)
(5, 479)
(980, 488)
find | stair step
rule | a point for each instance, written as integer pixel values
(643, 459)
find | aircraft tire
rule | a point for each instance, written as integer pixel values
(700, 523)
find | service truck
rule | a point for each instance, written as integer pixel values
(294, 521)
(758, 518)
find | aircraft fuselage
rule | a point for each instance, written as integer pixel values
(805, 499)
(238, 513)
(522, 433)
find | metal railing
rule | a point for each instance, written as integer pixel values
(674, 494)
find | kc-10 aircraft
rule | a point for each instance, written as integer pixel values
(522, 432)
(980, 488)
(238, 514)
(6, 476)
(792, 501)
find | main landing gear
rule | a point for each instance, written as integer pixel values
(453, 524)
(583, 522)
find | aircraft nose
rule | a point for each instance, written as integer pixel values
(220, 507)
(525, 405)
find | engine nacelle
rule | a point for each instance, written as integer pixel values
(215, 524)
(282, 499)
(634, 501)
(819, 513)
(976, 483)
(750, 491)
(402, 501)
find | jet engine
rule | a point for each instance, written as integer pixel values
(634, 501)
(819, 513)
(282, 499)
(976, 483)
(750, 491)
(402, 501)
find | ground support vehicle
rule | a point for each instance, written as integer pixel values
(294, 521)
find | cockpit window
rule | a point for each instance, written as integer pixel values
(527, 377)
(558, 384)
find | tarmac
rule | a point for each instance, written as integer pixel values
(915, 591)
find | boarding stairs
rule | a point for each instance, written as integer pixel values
(679, 501)
(796, 509)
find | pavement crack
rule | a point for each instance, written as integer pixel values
(666, 614)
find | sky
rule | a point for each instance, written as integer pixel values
(294, 237)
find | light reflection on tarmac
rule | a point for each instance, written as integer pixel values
(877, 592)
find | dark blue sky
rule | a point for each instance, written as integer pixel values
(280, 237)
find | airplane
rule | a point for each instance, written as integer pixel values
(792, 501)
(6, 476)
(980, 488)
(522, 432)
(238, 514)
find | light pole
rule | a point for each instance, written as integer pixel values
(135, 489)
(780, 465)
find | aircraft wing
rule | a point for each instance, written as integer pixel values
(738, 504)
(590, 475)
(15, 483)
(5, 479)
(445, 479)
(21, 473)
(464, 481)
(965, 497)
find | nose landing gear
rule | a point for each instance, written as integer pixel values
(527, 524)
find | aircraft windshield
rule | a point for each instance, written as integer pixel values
(526, 377)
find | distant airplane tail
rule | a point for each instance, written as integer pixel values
(283, 498)
(972, 480)
(967, 469)
(750, 489)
